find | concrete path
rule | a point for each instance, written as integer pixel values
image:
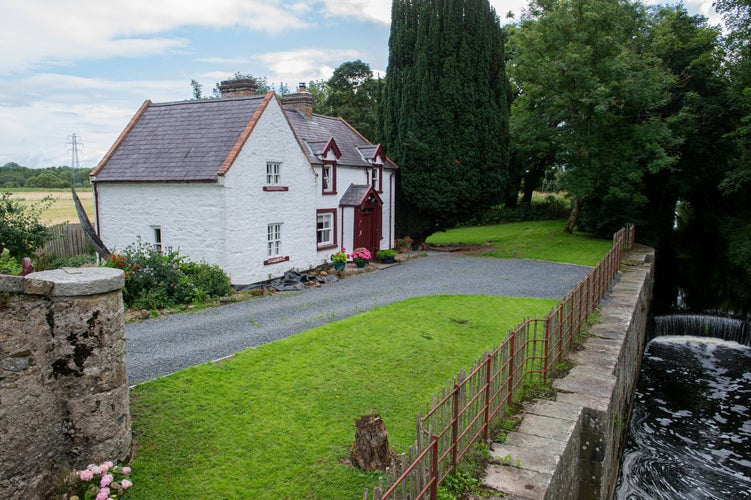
(162, 346)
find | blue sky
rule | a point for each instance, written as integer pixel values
(86, 66)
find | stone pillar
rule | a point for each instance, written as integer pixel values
(64, 399)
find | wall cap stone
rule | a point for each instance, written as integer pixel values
(10, 283)
(72, 282)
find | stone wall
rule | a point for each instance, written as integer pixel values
(570, 448)
(64, 399)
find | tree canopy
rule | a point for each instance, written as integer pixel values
(444, 111)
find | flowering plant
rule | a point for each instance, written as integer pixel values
(100, 482)
(360, 256)
(339, 257)
(404, 242)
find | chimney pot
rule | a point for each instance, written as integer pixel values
(302, 101)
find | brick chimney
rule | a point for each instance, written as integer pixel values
(238, 88)
(301, 101)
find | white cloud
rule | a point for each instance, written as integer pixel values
(291, 67)
(39, 32)
(38, 113)
(367, 10)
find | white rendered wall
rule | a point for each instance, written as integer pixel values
(128, 211)
(250, 209)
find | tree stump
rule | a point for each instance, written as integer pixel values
(371, 448)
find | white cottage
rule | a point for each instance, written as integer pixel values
(255, 184)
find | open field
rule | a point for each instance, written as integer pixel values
(62, 209)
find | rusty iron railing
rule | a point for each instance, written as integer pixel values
(466, 409)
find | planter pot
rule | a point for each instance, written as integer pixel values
(361, 263)
(403, 249)
(338, 266)
(388, 260)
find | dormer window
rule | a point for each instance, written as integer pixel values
(376, 177)
(328, 178)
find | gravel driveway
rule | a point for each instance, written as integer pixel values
(163, 346)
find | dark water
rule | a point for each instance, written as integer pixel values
(690, 428)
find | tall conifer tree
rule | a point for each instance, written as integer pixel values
(444, 112)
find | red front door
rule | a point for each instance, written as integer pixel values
(368, 226)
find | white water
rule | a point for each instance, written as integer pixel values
(690, 429)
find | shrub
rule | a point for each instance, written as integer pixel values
(21, 232)
(160, 280)
(8, 264)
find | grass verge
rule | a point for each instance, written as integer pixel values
(540, 240)
(278, 421)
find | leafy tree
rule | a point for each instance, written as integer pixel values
(46, 180)
(580, 67)
(21, 232)
(444, 111)
(353, 94)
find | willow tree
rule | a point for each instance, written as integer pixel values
(444, 111)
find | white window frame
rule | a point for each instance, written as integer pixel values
(274, 240)
(273, 173)
(325, 229)
(157, 238)
(328, 178)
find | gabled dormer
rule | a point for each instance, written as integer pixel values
(328, 153)
(375, 157)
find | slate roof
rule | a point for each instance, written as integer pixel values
(355, 195)
(314, 133)
(196, 141)
(186, 141)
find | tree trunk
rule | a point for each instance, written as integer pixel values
(371, 448)
(574, 217)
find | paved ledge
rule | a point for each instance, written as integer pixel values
(569, 448)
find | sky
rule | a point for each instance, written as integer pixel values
(84, 67)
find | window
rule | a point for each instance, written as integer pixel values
(374, 176)
(274, 239)
(327, 178)
(326, 228)
(272, 173)
(274, 177)
(158, 239)
(328, 183)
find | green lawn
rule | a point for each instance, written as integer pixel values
(277, 421)
(540, 240)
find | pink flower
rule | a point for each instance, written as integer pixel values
(126, 470)
(106, 480)
(126, 484)
(94, 469)
(106, 466)
(85, 475)
(103, 494)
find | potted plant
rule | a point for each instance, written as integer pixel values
(339, 259)
(388, 255)
(360, 256)
(403, 244)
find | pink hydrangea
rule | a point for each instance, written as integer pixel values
(106, 480)
(106, 466)
(94, 469)
(85, 475)
(126, 484)
(126, 470)
(103, 494)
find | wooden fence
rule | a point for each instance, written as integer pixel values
(466, 408)
(68, 240)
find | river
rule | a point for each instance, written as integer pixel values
(690, 428)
